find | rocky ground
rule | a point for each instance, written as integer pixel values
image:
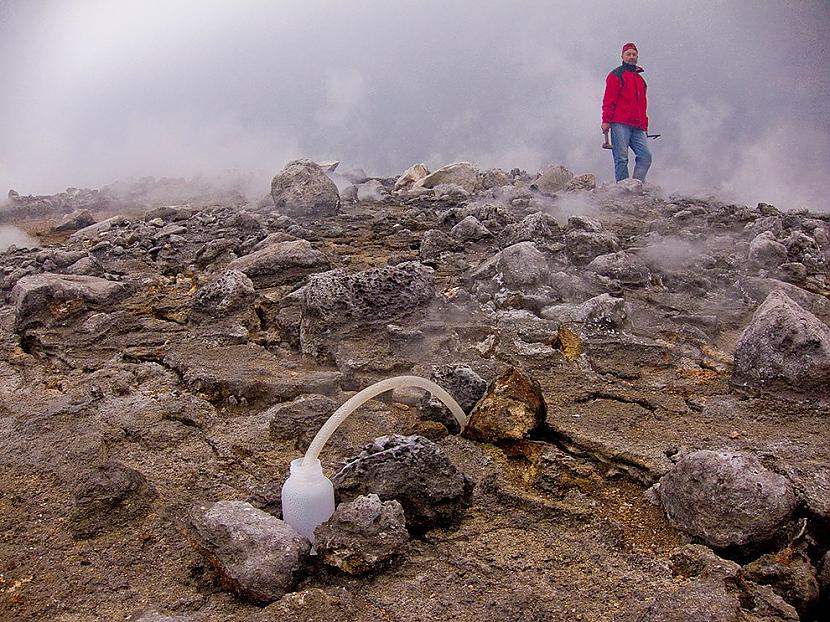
(647, 379)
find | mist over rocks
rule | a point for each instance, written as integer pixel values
(184, 348)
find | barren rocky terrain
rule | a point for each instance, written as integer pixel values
(647, 377)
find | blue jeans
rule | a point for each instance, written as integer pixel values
(625, 136)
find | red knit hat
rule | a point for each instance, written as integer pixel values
(630, 46)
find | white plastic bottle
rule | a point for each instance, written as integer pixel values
(307, 497)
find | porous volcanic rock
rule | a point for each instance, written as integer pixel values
(470, 230)
(726, 499)
(512, 407)
(783, 347)
(412, 470)
(462, 383)
(232, 292)
(362, 535)
(281, 263)
(302, 189)
(336, 299)
(586, 240)
(256, 555)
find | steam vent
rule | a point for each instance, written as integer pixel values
(645, 379)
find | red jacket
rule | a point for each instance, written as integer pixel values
(625, 97)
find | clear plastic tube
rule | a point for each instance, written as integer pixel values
(368, 393)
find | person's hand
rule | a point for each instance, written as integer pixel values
(605, 127)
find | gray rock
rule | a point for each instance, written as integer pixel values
(803, 248)
(108, 497)
(86, 266)
(494, 178)
(726, 499)
(587, 181)
(765, 251)
(518, 266)
(462, 174)
(784, 347)
(362, 535)
(622, 266)
(338, 300)
(299, 420)
(256, 555)
(93, 231)
(758, 289)
(281, 263)
(213, 250)
(412, 470)
(76, 220)
(46, 297)
(538, 227)
(372, 190)
(60, 258)
(512, 408)
(771, 224)
(583, 245)
(434, 243)
(470, 230)
(462, 383)
(790, 575)
(553, 179)
(349, 194)
(410, 176)
(231, 293)
(603, 311)
(630, 186)
(303, 189)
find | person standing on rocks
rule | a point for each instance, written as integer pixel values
(624, 113)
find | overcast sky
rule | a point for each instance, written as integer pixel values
(94, 91)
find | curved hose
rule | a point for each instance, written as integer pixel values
(368, 393)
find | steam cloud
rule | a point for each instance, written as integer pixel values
(96, 91)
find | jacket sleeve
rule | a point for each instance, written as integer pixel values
(613, 86)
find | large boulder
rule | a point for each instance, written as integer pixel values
(281, 263)
(337, 300)
(784, 347)
(47, 297)
(726, 499)
(413, 470)
(586, 239)
(304, 189)
(622, 266)
(256, 555)
(362, 535)
(537, 227)
(553, 179)
(410, 176)
(75, 221)
(766, 252)
(462, 174)
(518, 266)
